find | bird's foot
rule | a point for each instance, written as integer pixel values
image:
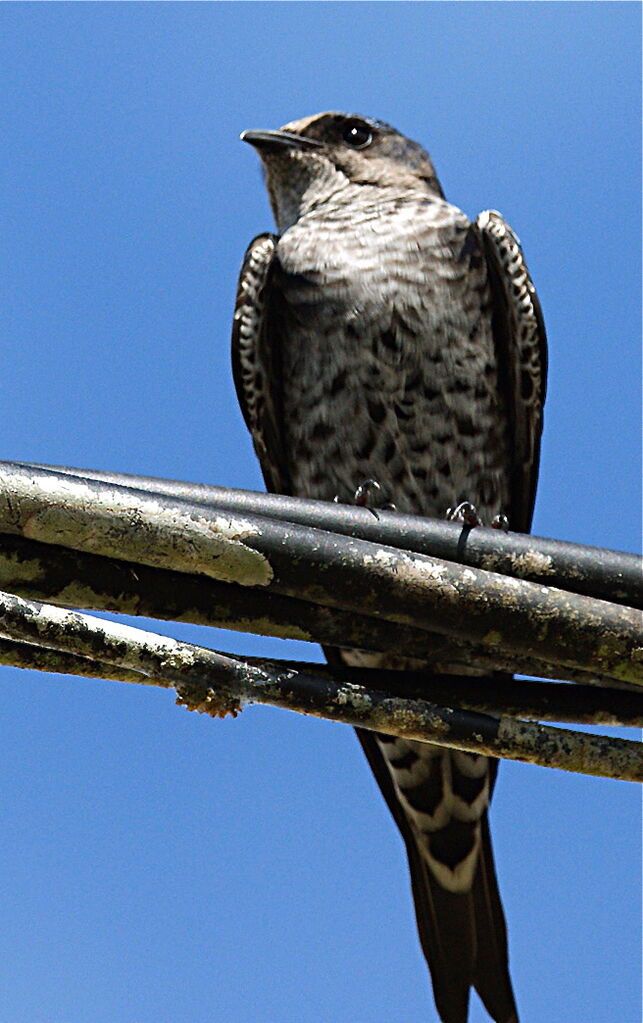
(500, 522)
(465, 512)
(371, 494)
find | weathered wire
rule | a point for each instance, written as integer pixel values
(466, 604)
(329, 574)
(609, 575)
(218, 684)
(70, 578)
(533, 699)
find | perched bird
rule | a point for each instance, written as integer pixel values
(382, 335)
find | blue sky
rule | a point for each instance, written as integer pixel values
(158, 866)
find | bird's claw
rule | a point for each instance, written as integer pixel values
(465, 512)
(370, 494)
(367, 491)
(500, 522)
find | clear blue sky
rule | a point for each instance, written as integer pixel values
(158, 866)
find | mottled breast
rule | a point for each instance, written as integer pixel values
(389, 366)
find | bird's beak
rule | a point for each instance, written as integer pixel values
(275, 140)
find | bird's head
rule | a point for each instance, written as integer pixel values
(317, 159)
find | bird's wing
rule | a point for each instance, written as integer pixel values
(256, 359)
(519, 333)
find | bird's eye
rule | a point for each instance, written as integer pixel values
(357, 135)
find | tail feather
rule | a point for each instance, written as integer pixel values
(491, 979)
(463, 934)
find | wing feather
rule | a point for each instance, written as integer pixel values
(256, 358)
(521, 341)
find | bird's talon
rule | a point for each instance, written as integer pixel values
(371, 495)
(465, 512)
(500, 522)
(365, 492)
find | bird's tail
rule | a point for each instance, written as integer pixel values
(462, 932)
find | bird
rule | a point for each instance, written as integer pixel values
(382, 340)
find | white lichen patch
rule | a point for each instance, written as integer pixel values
(407, 722)
(532, 562)
(353, 696)
(489, 562)
(242, 564)
(232, 528)
(150, 534)
(178, 657)
(411, 569)
(381, 557)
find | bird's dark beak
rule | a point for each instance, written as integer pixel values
(275, 140)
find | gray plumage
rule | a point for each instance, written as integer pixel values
(383, 335)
